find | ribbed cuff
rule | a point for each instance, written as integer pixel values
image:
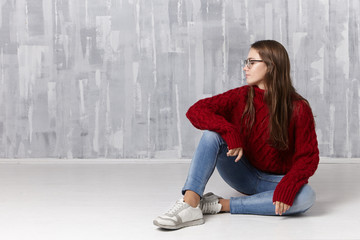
(232, 140)
(285, 194)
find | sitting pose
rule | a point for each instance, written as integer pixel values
(261, 138)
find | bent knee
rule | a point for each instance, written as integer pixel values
(304, 200)
(211, 136)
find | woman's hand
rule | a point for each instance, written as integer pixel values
(280, 207)
(235, 152)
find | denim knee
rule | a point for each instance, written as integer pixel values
(304, 200)
(203, 162)
(211, 135)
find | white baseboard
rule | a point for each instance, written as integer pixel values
(328, 160)
(90, 161)
(323, 160)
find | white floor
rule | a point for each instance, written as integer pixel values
(118, 200)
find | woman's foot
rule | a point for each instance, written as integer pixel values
(210, 204)
(179, 216)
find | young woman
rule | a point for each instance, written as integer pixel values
(261, 137)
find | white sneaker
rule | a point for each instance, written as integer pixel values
(179, 216)
(209, 204)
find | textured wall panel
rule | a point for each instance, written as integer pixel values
(114, 78)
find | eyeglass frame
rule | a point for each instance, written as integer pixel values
(250, 62)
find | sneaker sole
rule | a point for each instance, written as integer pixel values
(182, 225)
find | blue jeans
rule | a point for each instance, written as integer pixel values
(242, 176)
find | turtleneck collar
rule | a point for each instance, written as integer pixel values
(259, 90)
(259, 93)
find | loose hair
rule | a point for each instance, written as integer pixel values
(279, 94)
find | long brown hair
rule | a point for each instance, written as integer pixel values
(279, 94)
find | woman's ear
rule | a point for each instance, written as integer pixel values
(272, 70)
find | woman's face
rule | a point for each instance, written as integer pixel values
(255, 75)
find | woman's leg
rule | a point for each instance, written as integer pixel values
(202, 166)
(261, 203)
(260, 187)
(187, 212)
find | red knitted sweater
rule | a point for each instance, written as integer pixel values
(222, 114)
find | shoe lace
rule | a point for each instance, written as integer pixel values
(178, 205)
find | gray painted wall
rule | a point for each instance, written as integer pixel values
(114, 78)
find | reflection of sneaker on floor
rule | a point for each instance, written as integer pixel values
(179, 216)
(209, 204)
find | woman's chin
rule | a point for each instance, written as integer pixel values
(250, 83)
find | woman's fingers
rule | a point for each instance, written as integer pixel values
(281, 208)
(235, 152)
(231, 152)
(240, 153)
(277, 208)
(287, 208)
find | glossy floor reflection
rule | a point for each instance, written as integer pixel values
(114, 200)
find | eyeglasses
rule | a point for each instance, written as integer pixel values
(250, 62)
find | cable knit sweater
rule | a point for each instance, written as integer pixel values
(222, 114)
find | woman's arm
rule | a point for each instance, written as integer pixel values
(305, 159)
(215, 112)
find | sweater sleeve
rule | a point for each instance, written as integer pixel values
(213, 114)
(305, 159)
